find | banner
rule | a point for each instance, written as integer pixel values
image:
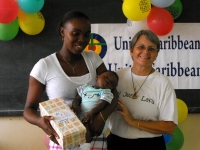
(178, 59)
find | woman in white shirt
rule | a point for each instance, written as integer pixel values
(62, 72)
(147, 106)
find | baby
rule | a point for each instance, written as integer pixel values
(90, 100)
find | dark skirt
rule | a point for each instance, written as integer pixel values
(118, 143)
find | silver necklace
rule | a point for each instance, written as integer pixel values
(135, 95)
(73, 68)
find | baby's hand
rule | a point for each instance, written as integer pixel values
(88, 117)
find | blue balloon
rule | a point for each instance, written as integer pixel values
(31, 6)
(167, 138)
(177, 140)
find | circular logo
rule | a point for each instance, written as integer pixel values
(97, 44)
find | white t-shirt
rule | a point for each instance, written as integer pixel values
(49, 72)
(156, 101)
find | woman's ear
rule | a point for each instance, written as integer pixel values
(62, 31)
(132, 58)
(131, 50)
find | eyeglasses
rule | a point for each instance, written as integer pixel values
(150, 48)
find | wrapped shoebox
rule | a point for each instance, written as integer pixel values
(67, 125)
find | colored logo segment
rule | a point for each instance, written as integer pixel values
(97, 44)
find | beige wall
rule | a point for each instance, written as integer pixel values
(17, 134)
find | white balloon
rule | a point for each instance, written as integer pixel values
(134, 26)
(162, 3)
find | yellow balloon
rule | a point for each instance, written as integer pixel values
(182, 110)
(31, 24)
(136, 10)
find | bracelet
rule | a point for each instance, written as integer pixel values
(102, 116)
(138, 124)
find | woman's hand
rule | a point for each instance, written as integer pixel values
(123, 110)
(44, 123)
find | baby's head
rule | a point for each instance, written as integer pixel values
(107, 80)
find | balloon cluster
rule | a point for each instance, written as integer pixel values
(158, 15)
(175, 141)
(23, 14)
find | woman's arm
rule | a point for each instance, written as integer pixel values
(76, 104)
(98, 123)
(34, 94)
(35, 91)
(88, 117)
(156, 127)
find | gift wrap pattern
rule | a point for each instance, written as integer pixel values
(67, 125)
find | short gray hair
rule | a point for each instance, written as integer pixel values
(149, 34)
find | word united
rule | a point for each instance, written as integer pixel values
(172, 43)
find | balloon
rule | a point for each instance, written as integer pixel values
(9, 31)
(46, 141)
(182, 110)
(136, 10)
(31, 6)
(162, 3)
(177, 140)
(160, 21)
(175, 9)
(8, 11)
(31, 24)
(134, 26)
(167, 138)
